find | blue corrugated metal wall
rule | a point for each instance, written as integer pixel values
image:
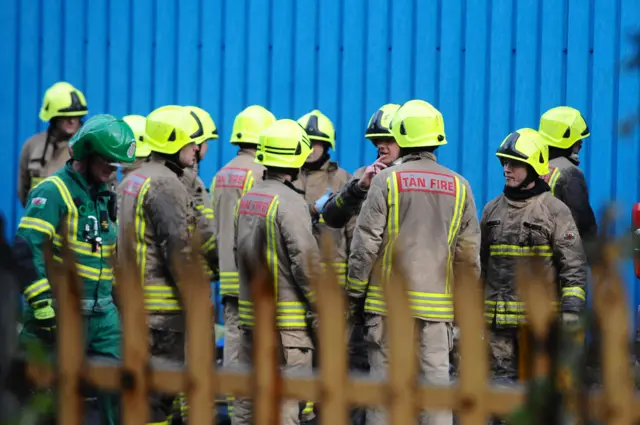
(490, 66)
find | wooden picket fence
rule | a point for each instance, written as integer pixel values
(472, 397)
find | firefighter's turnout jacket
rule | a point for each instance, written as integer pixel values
(568, 184)
(517, 231)
(41, 156)
(315, 183)
(430, 211)
(232, 181)
(273, 215)
(342, 206)
(157, 204)
(199, 195)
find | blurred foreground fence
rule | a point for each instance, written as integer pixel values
(555, 392)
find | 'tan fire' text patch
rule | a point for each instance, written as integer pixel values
(255, 204)
(423, 181)
(231, 178)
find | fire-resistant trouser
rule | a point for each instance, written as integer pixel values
(503, 358)
(167, 340)
(102, 338)
(435, 340)
(231, 348)
(297, 356)
(359, 363)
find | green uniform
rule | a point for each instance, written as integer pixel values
(67, 196)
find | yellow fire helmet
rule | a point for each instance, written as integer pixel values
(378, 127)
(209, 128)
(284, 144)
(319, 127)
(249, 123)
(528, 146)
(170, 128)
(563, 126)
(62, 100)
(418, 124)
(138, 124)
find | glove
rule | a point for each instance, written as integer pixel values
(320, 203)
(45, 320)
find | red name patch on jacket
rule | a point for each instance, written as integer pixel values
(255, 204)
(423, 181)
(547, 177)
(133, 184)
(231, 178)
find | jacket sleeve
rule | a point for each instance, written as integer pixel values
(302, 248)
(205, 224)
(367, 238)
(570, 261)
(167, 206)
(24, 180)
(39, 224)
(484, 246)
(467, 251)
(344, 205)
(572, 190)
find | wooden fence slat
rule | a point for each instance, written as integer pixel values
(195, 292)
(401, 333)
(135, 338)
(469, 313)
(266, 350)
(611, 308)
(332, 336)
(70, 348)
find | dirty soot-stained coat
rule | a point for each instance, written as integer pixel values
(232, 181)
(275, 217)
(315, 184)
(156, 203)
(540, 233)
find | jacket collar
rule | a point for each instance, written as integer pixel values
(419, 155)
(167, 163)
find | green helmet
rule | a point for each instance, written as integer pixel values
(107, 136)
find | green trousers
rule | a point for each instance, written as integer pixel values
(102, 338)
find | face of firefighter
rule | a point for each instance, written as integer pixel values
(204, 147)
(67, 126)
(316, 153)
(388, 150)
(515, 172)
(100, 171)
(188, 155)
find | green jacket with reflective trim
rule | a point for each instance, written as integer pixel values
(67, 197)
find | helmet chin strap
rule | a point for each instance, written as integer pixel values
(531, 177)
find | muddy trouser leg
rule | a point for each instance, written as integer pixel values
(298, 357)
(242, 407)
(503, 359)
(435, 342)
(166, 345)
(375, 337)
(359, 363)
(230, 351)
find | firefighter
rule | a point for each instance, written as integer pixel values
(429, 212)
(45, 153)
(78, 196)
(563, 129)
(345, 204)
(528, 226)
(230, 183)
(273, 216)
(137, 124)
(195, 186)
(155, 204)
